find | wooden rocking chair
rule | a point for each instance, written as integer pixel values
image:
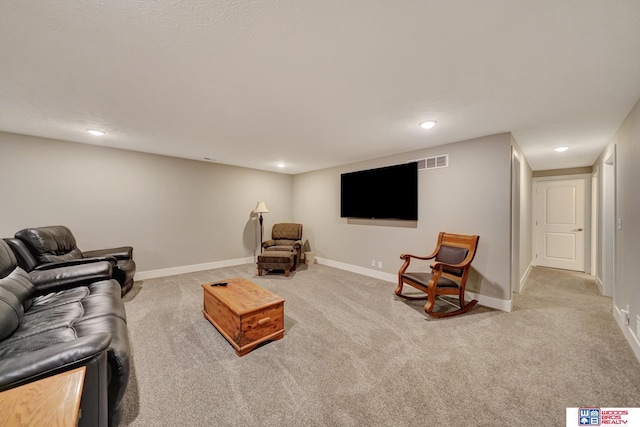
(448, 276)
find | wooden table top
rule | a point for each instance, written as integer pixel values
(241, 295)
(50, 402)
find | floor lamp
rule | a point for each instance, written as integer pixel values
(260, 209)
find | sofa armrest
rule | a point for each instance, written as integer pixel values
(74, 262)
(297, 244)
(56, 279)
(61, 357)
(123, 252)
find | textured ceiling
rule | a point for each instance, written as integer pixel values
(316, 84)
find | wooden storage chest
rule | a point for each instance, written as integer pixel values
(244, 313)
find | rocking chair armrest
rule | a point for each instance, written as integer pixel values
(409, 256)
(407, 261)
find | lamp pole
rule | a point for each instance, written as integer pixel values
(260, 209)
(261, 232)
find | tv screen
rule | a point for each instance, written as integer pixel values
(384, 193)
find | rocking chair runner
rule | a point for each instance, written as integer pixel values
(453, 256)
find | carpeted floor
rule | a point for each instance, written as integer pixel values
(354, 354)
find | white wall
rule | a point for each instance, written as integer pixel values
(177, 212)
(174, 212)
(626, 292)
(471, 196)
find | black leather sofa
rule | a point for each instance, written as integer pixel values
(53, 246)
(72, 317)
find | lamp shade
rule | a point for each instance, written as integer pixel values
(261, 208)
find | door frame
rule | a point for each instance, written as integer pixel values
(516, 180)
(606, 273)
(587, 214)
(595, 228)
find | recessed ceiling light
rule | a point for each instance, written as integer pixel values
(561, 149)
(428, 124)
(280, 165)
(95, 132)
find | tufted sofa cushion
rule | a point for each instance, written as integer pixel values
(51, 244)
(13, 292)
(11, 312)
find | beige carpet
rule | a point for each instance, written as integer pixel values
(356, 355)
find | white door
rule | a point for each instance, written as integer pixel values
(560, 224)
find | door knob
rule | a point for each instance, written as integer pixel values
(580, 229)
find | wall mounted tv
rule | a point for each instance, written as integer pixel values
(384, 193)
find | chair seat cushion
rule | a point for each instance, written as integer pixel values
(276, 257)
(285, 242)
(423, 279)
(280, 248)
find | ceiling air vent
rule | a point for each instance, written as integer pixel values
(433, 162)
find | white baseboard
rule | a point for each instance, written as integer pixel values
(172, 271)
(498, 304)
(359, 270)
(600, 285)
(627, 331)
(525, 276)
(491, 302)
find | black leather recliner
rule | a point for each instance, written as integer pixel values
(47, 328)
(55, 245)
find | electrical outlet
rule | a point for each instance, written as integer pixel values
(379, 264)
(373, 263)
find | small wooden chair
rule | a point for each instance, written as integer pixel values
(448, 276)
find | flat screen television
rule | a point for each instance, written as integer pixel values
(384, 193)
